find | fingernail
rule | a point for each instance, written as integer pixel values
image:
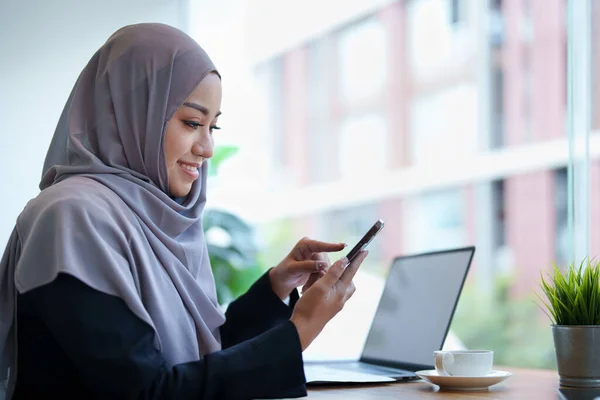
(321, 266)
(345, 245)
(345, 262)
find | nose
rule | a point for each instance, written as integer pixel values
(203, 145)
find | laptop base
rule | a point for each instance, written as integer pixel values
(366, 368)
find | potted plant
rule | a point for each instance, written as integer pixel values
(573, 305)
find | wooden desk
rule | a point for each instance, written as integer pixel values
(524, 384)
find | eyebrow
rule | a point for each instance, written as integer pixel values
(200, 108)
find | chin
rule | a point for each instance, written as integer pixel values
(180, 191)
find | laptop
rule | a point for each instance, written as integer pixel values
(411, 322)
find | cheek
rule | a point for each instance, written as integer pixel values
(174, 146)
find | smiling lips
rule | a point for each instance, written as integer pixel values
(190, 168)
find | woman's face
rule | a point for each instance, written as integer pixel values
(189, 135)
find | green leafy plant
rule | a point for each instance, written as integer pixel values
(220, 155)
(573, 296)
(233, 253)
(231, 243)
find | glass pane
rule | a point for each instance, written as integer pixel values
(448, 120)
(594, 138)
(580, 122)
(362, 60)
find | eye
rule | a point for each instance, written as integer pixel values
(192, 124)
(195, 125)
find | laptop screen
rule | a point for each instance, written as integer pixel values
(416, 307)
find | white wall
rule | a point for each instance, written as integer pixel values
(43, 47)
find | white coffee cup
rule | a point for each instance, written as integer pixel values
(464, 362)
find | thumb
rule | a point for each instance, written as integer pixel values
(334, 273)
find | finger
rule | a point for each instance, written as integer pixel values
(308, 266)
(313, 278)
(323, 260)
(349, 273)
(322, 257)
(301, 252)
(334, 273)
(309, 246)
(308, 283)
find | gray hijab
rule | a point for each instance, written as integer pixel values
(104, 214)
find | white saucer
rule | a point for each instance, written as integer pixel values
(463, 382)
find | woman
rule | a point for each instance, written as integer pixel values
(105, 286)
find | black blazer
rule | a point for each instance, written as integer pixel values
(76, 342)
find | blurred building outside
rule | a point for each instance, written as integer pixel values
(445, 118)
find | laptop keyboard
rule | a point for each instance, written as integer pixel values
(370, 369)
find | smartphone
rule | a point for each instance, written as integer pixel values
(364, 242)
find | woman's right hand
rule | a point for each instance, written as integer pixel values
(325, 299)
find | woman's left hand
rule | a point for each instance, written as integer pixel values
(306, 263)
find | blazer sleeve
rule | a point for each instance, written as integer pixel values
(113, 352)
(255, 312)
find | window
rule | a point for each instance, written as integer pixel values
(526, 26)
(511, 204)
(456, 11)
(443, 125)
(496, 24)
(497, 114)
(499, 215)
(320, 135)
(561, 240)
(270, 113)
(436, 45)
(362, 146)
(362, 60)
(436, 221)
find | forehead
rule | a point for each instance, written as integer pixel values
(208, 90)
